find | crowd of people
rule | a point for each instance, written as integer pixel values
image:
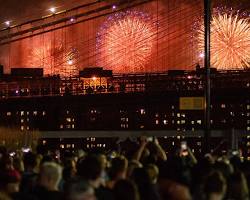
(146, 174)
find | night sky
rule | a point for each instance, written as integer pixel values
(23, 10)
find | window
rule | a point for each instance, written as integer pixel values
(142, 111)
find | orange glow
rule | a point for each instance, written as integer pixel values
(230, 42)
(127, 42)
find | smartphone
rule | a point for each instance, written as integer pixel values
(150, 139)
(26, 150)
(183, 145)
(12, 154)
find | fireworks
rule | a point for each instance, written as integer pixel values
(230, 41)
(125, 42)
(57, 60)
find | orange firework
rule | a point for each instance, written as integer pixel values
(230, 41)
(125, 42)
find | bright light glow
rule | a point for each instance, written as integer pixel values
(230, 41)
(94, 78)
(53, 9)
(72, 19)
(126, 41)
(201, 55)
(55, 59)
(70, 62)
(114, 7)
(7, 23)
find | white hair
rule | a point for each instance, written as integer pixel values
(52, 171)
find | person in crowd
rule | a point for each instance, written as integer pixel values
(30, 174)
(146, 189)
(125, 189)
(48, 181)
(237, 186)
(153, 172)
(90, 169)
(215, 186)
(78, 189)
(117, 171)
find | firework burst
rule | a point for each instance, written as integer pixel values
(125, 42)
(230, 41)
(56, 60)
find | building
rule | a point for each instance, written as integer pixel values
(98, 104)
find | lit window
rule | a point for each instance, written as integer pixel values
(157, 115)
(22, 128)
(248, 128)
(142, 111)
(61, 126)
(199, 121)
(178, 122)
(248, 107)
(22, 113)
(68, 119)
(34, 113)
(165, 122)
(141, 126)
(68, 126)
(28, 119)
(44, 113)
(104, 145)
(62, 146)
(178, 115)
(183, 115)
(157, 122)
(44, 142)
(173, 143)
(223, 105)
(183, 121)
(28, 112)
(73, 126)
(22, 120)
(28, 128)
(192, 122)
